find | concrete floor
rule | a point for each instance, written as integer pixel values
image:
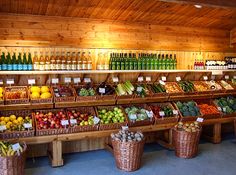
(213, 159)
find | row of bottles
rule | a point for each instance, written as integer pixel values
(129, 61)
(11, 61)
(231, 62)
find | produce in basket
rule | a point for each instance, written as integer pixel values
(227, 104)
(167, 111)
(63, 91)
(37, 92)
(200, 86)
(6, 149)
(213, 85)
(188, 127)
(142, 90)
(233, 81)
(187, 86)
(188, 108)
(78, 118)
(16, 93)
(86, 90)
(111, 116)
(172, 88)
(105, 89)
(124, 88)
(1, 93)
(226, 85)
(14, 123)
(127, 136)
(136, 113)
(158, 88)
(207, 109)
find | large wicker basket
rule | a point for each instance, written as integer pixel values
(186, 143)
(13, 165)
(24, 100)
(128, 155)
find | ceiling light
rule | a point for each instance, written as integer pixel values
(198, 6)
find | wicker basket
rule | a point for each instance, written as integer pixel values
(17, 134)
(42, 101)
(128, 155)
(164, 120)
(84, 98)
(78, 128)
(186, 143)
(208, 91)
(149, 121)
(16, 101)
(13, 165)
(111, 126)
(180, 91)
(42, 132)
(224, 115)
(150, 94)
(65, 99)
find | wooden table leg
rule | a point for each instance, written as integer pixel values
(167, 144)
(56, 154)
(217, 133)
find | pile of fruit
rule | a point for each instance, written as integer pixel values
(233, 81)
(63, 91)
(186, 86)
(37, 92)
(207, 109)
(227, 105)
(200, 86)
(188, 127)
(213, 85)
(105, 89)
(16, 93)
(142, 90)
(86, 90)
(50, 120)
(13, 123)
(6, 149)
(78, 118)
(136, 113)
(158, 88)
(167, 111)
(226, 85)
(127, 136)
(111, 116)
(1, 93)
(124, 88)
(188, 108)
(172, 88)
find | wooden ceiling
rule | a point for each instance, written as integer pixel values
(166, 12)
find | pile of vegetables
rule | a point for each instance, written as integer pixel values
(188, 108)
(172, 88)
(207, 109)
(186, 86)
(111, 116)
(188, 127)
(227, 104)
(200, 86)
(158, 88)
(109, 90)
(168, 111)
(124, 88)
(87, 90)
(142, 90)
(136, 113)
(127, 136)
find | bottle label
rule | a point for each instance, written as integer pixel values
(89, 66)
(68, 66)
(25, 67)
(15, 67)
(0, 67)
(47, 66)
(63, 66)
(53, 66)
(9, 67)
(73, 66)
(79, 66)
(20, 67)
(84, 66)
(106, 67)
(99, 67)
(4, 66)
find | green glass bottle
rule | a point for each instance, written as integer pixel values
(152, 62)
(30, 62)
(110, 62)
(20, 62)
(126, 62)
(161, 62)
(118, 62)
(1, 63)
(175, 62)
(122, 63)
(25, 64)
(139, 62)
(9, 62)
(167, 62)
(14, 62)
(171, 62)
(135, 62)
(158, 61)
(143, 62)
(155, 62)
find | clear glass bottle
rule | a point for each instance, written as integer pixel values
(79, 61)
(41, 62)
(47, 62)
(89, 62)
(58, 61)
(68, 61)
(52, 61)
(63, 61)
(73, 61)
(84, 61)
(35, 61)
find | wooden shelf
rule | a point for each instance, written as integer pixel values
(26, 106)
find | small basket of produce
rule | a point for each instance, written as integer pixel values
(124, 90)
(85, 93)
(189, 110)
(12, 158)
(16, 95)
(41, 94)
(63, 93)
(128, 149)
(158, 90)
(226, 86)
(164, 113)
(1, 96)
(173, 89)
(208, 109)
(139, 115)
(51, 122)
(16, 124)
(142, 91)
(106, 91)
(187, 87)
(227, 105)
(111, 117)
(82, 119)
(201, 87)
(186, 139)
(214, 86)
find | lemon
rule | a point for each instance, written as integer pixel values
(2, 123)
(9, 123)
(1, 95)
(1, 90)
(46, 95)
(2, 118)
(44, 89)
(15, 122)
(6, 119)
(35, 89)
(19, 119)
(35, 95)
(12, 117)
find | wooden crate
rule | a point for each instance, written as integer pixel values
(12, 101)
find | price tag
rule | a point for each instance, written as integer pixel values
(102, 90)
(139, 89)
(178, 78)
(199, 119)
(163, 78)
(205, 78)
(226, 77)
(87, 80)
(234, 77)
(10, 81)
(3, 127)
(175, 112)
(31, 81)
(149, 113)
(73, 121)
(55, 80)
(96, 120)
(115, 79)
(224, 109)
(162, 113)
(124, 128)
(77, 80)
(27, 125)
(64, 122)
(140, 79)
(162, 82)
(219, 108)
(16, 147)
(148, 79)
(133, 117)
(1, 82)
(67, 80)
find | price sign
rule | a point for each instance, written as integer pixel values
(219, 108)
(178, 78)
(31, 81)
(162, 82)
(64, 122)
(55, 80)
(148, 79)
(16, 147)
(234, 77)
(115, 79)
(1, 82)
(224, 109)
(10, 81)
(67, 80)
(27, 125)
(162, 113)
(205, 78)
(175, 112)
(77, 80)
(199, 119)
(73, 121)
(96, 120)
(124, 128)
(149, 113)
(3, 127)
(226, 77)
(139, 89)
(102, 90)
(140, 79)
(132, 116)
(87, 80)
(163, 78)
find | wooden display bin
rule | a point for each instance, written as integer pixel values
(41, 101)
(64, 99)
(16, 95)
